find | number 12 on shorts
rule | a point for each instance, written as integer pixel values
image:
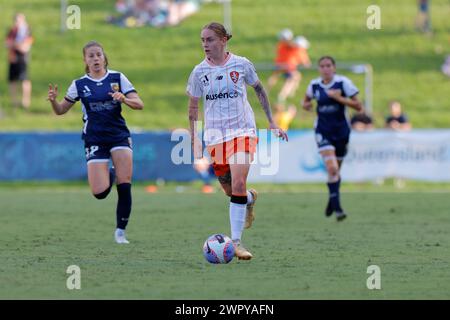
(90, 152)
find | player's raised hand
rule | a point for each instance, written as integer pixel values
(278, 131)
(52, 92)
(119, 96)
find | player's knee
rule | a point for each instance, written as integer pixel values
(123, 179)
(333, 173)
(102, 195)
(333, 170)
(239, 186)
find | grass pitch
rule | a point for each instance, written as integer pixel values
(298, 253)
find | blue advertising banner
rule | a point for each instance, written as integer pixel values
(61, 156)
(417, 154)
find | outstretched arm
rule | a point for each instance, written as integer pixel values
(58, 107)
(264, 100)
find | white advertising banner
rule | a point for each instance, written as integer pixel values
(416, 154)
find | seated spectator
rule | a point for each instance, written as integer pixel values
(361, 121)
(397, 120)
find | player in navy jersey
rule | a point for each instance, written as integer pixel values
(332, 129)
(105, 133)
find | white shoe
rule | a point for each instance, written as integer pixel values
(119, 236)
(340, 215)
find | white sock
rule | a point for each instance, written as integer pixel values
(249, 197)
(237, 219)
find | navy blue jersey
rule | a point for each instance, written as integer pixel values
(332, 120)
(103, 121)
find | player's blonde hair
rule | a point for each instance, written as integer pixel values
(94, 44)
(218, 29)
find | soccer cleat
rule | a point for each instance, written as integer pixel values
(329, 210)
(340, 215)
(240, 252)
(250, 215)
(119, 236)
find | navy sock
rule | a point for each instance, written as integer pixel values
(123, 205)
(333, 188)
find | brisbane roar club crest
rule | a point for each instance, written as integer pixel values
(234, 75)
(114, 86)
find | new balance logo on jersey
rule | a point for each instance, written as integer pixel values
(219, 77)
(221, 95)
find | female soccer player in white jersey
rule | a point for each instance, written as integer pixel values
(230, 130)
(332, 92)
(105, 133)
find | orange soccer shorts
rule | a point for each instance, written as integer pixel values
(221, 152)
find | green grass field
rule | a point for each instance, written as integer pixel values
(298, 253)
(406, 63)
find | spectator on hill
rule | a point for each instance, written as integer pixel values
(156, 13)
(397, 120)
(19, 41)
(291, 53)
(423, 21)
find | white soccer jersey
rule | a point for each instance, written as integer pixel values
(227, 112)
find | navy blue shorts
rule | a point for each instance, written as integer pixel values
(339, 146)
(102, 152)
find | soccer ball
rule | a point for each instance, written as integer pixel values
(218, 248)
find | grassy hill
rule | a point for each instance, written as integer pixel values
(158, 61)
